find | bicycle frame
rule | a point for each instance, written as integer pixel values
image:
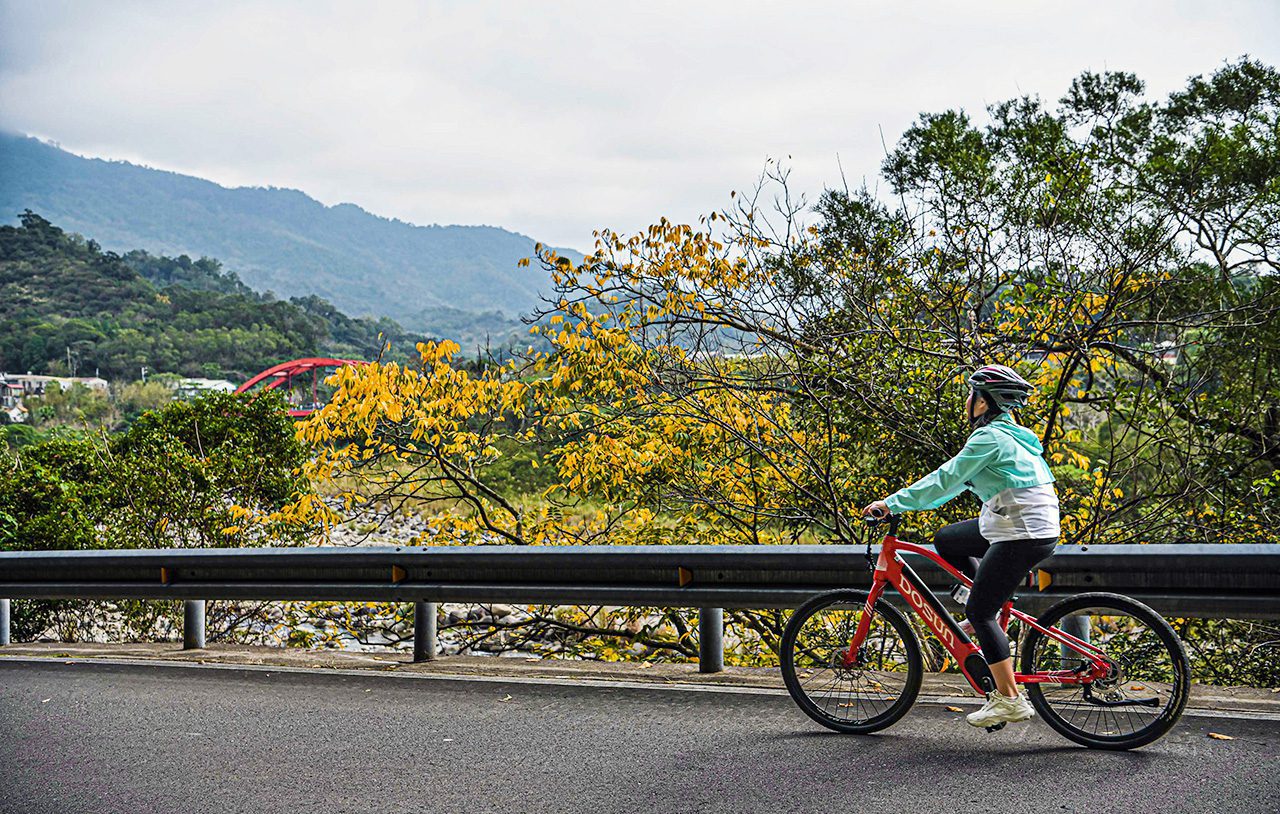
(890, 569)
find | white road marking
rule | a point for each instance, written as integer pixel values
(564, 681)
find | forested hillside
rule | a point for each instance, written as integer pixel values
(66, 303)
(462, 278)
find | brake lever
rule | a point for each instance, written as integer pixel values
(872, 521)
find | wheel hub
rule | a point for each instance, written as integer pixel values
(836, 663)
(1114, 676)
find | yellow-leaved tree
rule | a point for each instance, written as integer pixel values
(757, 376)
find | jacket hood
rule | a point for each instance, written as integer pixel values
(1024, 437)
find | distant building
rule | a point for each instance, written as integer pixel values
(14, 387)
(11, 392)
(192, 388)
(17, 385)
(1167, 352)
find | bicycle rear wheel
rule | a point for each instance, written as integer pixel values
(1150, 678)
(867, 696)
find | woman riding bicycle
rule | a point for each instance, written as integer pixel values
(1016, 530)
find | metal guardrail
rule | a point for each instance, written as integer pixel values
(1237, 581)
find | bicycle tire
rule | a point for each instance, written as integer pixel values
(914, 663)
(1178, 669)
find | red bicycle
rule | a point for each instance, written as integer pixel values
(1119, 679)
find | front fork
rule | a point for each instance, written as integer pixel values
(864, 623)
(850, 658)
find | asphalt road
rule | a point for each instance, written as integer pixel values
(112, 738)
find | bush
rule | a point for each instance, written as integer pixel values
(212, 472)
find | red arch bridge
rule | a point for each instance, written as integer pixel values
(299, 380)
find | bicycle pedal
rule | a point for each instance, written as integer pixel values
(996, 728)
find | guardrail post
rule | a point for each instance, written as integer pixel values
(424, 631)
(193, 624)
(4, 622)
(1077, 626)
(710, 640)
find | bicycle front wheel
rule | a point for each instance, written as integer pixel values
(1149, 681)
(866, 696)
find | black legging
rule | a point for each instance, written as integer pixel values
(997, 569)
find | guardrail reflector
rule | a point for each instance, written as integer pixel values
(1043, 579)
(686, 576)
(398, 574)
(165, 576)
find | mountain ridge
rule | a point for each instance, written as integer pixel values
(279, 239)
(65, 302)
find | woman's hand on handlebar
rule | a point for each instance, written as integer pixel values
(877, 510)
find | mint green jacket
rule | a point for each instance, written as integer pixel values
(1001, 455)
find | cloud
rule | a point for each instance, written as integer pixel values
(557, 118)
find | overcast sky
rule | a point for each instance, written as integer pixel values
(555, 118)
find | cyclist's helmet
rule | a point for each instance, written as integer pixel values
(1004, 389)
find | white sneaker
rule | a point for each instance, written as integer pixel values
(1001, 709)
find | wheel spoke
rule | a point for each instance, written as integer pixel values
(1145, 662)
(861, 694)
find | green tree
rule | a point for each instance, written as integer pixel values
(1121, 250)
(213, 471)
(76, 406)
(64, 304)
(137, 398)
(53, 496)
(216, 471)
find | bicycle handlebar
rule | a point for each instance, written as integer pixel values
(878, 517)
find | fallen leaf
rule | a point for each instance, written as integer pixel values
(508, 698)
(1218, 737)
(645, 665)
(954, 709)
(1275, 689)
